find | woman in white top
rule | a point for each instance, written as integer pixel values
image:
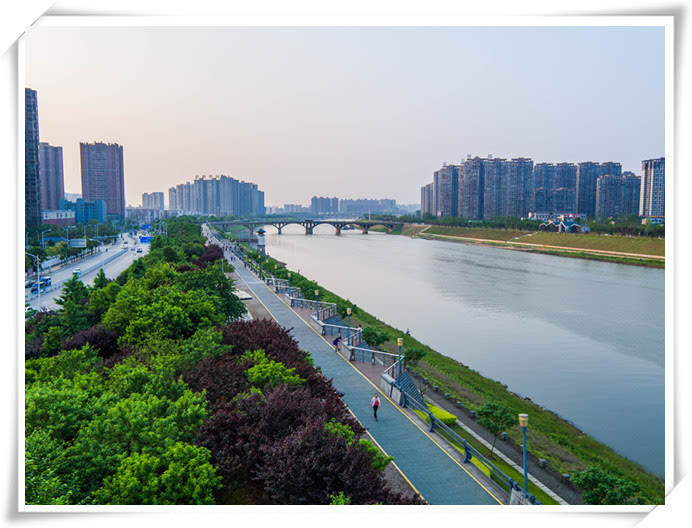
(375, 403)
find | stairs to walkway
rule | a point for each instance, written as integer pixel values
(406, 384)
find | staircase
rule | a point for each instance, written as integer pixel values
(406, 384)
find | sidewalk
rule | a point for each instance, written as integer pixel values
(432, 471)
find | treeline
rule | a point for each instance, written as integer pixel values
(625, 226)
(148, 390)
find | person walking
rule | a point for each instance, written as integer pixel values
(375, 404)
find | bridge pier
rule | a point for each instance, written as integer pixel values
(365, 230)
(338, 230)
(279, 228)
(308, 230)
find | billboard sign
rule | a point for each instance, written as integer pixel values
(78, 243)
(146, 227)
(145, 239)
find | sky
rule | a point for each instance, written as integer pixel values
(348, 112)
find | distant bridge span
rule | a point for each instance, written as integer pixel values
(309, 225)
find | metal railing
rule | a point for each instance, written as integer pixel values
(471, 454)
(376, 357)
(327, 311)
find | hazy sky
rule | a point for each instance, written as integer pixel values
(350, 112)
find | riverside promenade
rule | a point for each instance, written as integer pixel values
(440, 478)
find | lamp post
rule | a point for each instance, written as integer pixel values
(523, 423)
(43, 244)
(400, 343)
(317, 302)
(275, 274)
(289, 283)
(67, 251)
(348, 314)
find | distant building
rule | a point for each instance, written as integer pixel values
(85, 210)
(363, 206)
(32, 176)
(72, 197)
(59, 217)
(427, 199)
(494, 187)
(52, 177)
(103, 176)
(172, 199)
(446, 191)
(588, 173)
(319, 205)
(153, 201)
(652, 201)
(218, 195)
(616, 196)
(471, 189)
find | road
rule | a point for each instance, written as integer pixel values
(112, 269)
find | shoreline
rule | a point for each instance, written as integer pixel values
(631, 259)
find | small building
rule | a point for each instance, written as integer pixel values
(59, 217)
(260, 241)
(564, 226)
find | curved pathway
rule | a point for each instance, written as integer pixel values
(436, 475)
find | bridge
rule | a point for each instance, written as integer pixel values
(309, 225)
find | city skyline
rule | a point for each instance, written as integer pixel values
(297, 100)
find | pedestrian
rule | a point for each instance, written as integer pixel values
(407, 332)
(375, 404)
(337, 343)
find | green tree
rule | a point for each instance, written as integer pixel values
(100, 281)
(600, 486)
(496, 418)
(73, 290)
(373, 336)
(52, 343)
(180, 475)
(43, 459)
(339, 500)
(266, 373)
(101, 299)
(413, 356)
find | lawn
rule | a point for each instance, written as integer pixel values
(482, 233)
(641, 245)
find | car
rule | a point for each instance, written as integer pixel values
(139, 250)
(29, 283)
(76, 271)
(43, 284)
(126, 242)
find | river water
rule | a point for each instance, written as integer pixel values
(582, 338)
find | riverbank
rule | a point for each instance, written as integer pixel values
(634, 251)
(565, 448)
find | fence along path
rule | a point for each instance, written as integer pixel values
(438, 477)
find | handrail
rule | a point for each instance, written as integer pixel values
(469, 451)
(374, 356)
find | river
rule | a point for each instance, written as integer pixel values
(582, 338)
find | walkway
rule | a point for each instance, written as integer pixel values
(438, 477)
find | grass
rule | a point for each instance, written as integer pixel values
(634, 261)
(641, 245)
(482, 233)
(566, 448)
(500, 464)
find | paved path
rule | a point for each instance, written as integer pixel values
(433, 473)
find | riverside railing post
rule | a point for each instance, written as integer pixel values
(523, 423)
(399, 343)
(317, 303)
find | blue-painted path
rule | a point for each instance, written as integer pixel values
(435, 474)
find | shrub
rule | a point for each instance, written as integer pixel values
(373, 336)
(442, 415)
(104, 341)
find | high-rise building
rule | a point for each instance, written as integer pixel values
(324, 205)
(471, 186)
(520, 187)
(103, 176)
(362, 206)
(86, 210)
(153, 201)
(652, 201)
(427, 199)
(615, 195)
(172, 199)
(446, 191)
(588, 173)
(32, 176)
(52, 177)
(494, 187)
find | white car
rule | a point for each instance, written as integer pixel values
(76, 271)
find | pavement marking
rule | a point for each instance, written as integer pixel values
(384, 395)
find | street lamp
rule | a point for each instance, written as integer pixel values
(348, 314)
(67, 251)
(523, 423)
(289, 283)
(399, 343)
(317, 302)
(43, 244)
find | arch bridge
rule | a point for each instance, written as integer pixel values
(309, 225)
